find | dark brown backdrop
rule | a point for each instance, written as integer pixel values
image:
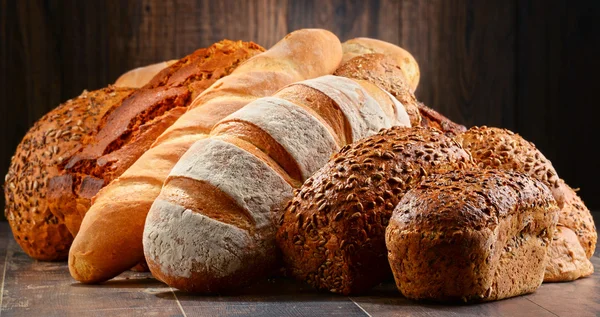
(519, 64)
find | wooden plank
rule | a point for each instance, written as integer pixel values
(385, 300)
(557, 52)
(466, 53)
(47, 289)
(273, 297)
(4, 238)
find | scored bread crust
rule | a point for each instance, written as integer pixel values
(139, 77)
(130, 128)
(502, 149)
(332, 231)
(471, 235)
(47, 145)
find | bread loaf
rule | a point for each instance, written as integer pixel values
(384, 71)
(212, 227)
(38, 158)
(130, 128)
(121, 207)
(502, 149)
(363, 45)
(332, 232)
(138, 77)
(475, 235)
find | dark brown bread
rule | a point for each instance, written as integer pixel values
(332, 232)
(51, 140)
(502, 149)
(384, 71)
(475, 235)
(129, 130)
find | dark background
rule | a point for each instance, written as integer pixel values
(530, 66)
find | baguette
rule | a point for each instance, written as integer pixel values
(212, 227)
(110, 238)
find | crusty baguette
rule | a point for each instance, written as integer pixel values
(212, 228)
(110, 238)
(138, 77)
(363, 45)
(474, 235)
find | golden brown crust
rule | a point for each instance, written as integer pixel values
(332, 232)
(384, 71)
(577, 217)
(51, 140)
(471, 235)
(566, 260)
(130, 128)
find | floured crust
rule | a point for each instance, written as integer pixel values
(338, 217)
(472, 235)
(38, 158)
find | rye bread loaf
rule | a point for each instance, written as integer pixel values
(38, 158)
(332, 231)
(130, 128)
(502, 149)
(384, 71)
(475, 235)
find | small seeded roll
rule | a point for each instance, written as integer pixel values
(502, 149)
(332, 232)
(475, 235)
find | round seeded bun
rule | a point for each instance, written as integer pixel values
(52, 139)
(332, 232)
(503, 149)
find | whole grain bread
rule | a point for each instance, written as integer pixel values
(502, 149)
(332, 231)
(38, 158)
(474, 235)
(384, 71)
(130, 128)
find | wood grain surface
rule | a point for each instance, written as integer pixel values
(515, 64)
(32, 288)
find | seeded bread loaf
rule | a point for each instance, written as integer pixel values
(475, 235)
(130, 128)
(332, 231)
(407, 63)
(384, 71)
(502, 149)
(38, 158)
(121, 207)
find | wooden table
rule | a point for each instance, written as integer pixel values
(31, 288)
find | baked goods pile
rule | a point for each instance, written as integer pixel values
(217, 168)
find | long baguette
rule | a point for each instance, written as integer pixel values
(212, 228)
(138, 77)
(110, 237)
